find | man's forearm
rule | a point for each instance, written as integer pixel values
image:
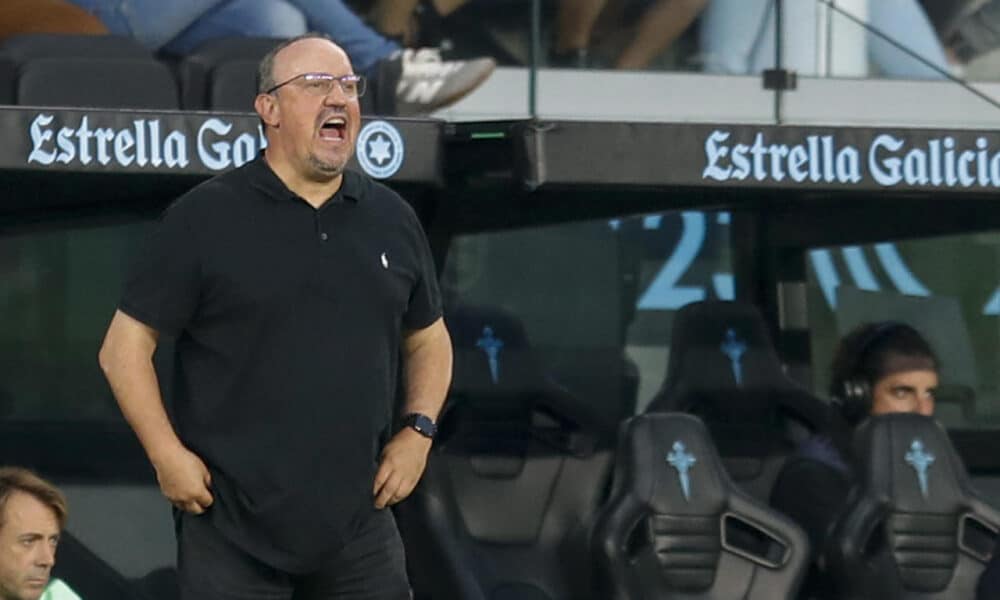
(136, 390)
(428, 363)
(126, 357)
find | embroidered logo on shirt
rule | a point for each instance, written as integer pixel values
(385, 261)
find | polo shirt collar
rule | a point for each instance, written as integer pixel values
(265, 179)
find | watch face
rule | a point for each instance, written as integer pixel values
(423, 424)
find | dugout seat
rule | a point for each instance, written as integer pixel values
(676, 526)
(914, 529)
(86, 71)
(91, 577)
(512, 481)
(724, 369)
(222, 74)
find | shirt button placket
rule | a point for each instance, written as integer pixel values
(323, 236)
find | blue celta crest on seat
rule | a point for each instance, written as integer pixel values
(682, 461)
(920, 460)
(734, 348)
(491, 345)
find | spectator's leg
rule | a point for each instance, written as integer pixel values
(394, 18)
(905, 22)
(659, 27)
(361, 42)
(153, 24)
(398, 19)
(732, 31)
(738, 36)
(256, 18)
(800, 52)
(446, 7)
(575, 23)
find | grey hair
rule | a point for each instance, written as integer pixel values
(265, 69)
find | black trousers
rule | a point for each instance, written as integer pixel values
(370, 567)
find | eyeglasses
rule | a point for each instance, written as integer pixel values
(321, 84)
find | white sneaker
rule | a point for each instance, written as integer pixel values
(428, 83)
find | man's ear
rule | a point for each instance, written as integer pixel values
(267, 108)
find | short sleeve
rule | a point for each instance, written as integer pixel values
(163, 282)
(425, 298)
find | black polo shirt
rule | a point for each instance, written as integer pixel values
(288, 322)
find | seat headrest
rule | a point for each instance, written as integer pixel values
(722, 345)
(219, 50)
(908, 462)
(493, 361)
(57, 45)
(723, 367)
(499, 391)
(671, 465)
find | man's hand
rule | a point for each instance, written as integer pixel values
(403, 461)
(184, 480)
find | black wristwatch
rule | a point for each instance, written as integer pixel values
(422, 424)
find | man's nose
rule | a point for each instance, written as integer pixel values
(45, 555)
(336, 96)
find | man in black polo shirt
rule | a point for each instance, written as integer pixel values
(292, 286)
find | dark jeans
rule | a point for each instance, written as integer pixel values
(370, 567)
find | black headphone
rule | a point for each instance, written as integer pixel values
(855, 394)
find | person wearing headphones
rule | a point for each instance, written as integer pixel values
(878, 368)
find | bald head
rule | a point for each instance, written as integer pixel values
(274, 66)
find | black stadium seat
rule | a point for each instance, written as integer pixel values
(724, 369)
(676, 526)
(86, 70)
(915, 528)
(513, 479)
(8, 81)
(91, 577)
(59, 45)
(105, 83)
(222, 74)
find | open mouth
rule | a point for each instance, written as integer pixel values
(334, 129)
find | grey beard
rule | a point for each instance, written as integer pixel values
(326, 169)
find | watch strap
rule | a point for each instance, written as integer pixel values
(421, 423)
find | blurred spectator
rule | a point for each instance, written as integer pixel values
(738, 37)
(46, 16)
(407, 21)
(975, 33)
(421, 80)
(661, 23)
(425, 82)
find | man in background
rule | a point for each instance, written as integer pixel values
(32, 516)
